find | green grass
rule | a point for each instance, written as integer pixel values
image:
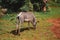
(41, 33)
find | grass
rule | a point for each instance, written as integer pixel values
(41, 33)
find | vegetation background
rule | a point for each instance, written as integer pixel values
(36, 5)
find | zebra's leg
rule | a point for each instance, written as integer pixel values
(20, 25)
(17, 26)
(28, 25)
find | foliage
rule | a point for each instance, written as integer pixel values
(28, 6)
(56, 1)
(15, 5)
(19, 5)
(53, 3)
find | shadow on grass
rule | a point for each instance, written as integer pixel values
(21, 30)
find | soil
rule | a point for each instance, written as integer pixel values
(55, 28)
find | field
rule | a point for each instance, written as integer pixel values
(46, 28)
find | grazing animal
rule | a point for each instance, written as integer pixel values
(25, 17)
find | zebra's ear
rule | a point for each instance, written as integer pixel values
(37, 21)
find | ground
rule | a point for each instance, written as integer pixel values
(48, 27)
(56, 27)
